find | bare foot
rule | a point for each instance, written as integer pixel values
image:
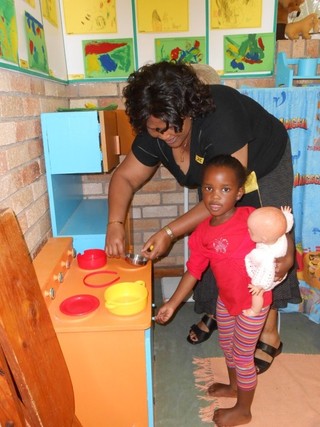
(221, 390)
(231, 417)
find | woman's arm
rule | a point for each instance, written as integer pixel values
(125, 181)
(242, 155)
(161, 241)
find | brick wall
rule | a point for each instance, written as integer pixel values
(22, 172)
(22, 180)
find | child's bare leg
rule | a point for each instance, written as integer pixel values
(225, 390)
(257, 304)
(238, 415)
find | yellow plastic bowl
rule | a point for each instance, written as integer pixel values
(126, 298)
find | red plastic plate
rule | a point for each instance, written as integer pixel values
(78, 305)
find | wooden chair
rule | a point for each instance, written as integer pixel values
(35, 386)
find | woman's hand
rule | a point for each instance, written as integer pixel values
(284, 263)
(115, 240)
(157, 245)
(126, 179)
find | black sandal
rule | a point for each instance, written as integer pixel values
(262, 365)
(202, 336)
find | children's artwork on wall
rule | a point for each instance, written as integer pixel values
(32, 3)
(49, 11)
(190, 50)
(90, 17)
(249, 53)
(8, 31)
(162, 16)
(235, 13)
(37, 52)
(108, 58)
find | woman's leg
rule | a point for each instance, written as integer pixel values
(280, 180)
(205, 296)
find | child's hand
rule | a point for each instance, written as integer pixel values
(164, 314)
(254, 290)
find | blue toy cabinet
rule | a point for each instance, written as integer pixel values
(78, 143)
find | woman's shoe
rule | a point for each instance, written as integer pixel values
(262, 365)
(201, 335)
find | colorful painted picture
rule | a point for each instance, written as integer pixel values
(235, 13)
(158, 16)
(49, 11)
(249, 53)
(90, 17)
(108, 58)
(8, 31)
(37, 52)
(190, 50)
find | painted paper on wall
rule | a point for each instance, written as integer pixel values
(235, 13)
(162, 16)
(108, 58)
(90, 17)
(190, 50)
(8, 31)
(37, 52)
(49, 11)
(249, 53)
(32, 3)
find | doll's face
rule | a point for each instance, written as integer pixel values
(266, 225)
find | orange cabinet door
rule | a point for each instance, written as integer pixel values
(110, 146)
(125, 131)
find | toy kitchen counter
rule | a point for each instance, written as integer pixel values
(109, 356)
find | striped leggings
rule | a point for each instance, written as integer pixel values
(238, 336)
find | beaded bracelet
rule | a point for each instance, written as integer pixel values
(169, 232)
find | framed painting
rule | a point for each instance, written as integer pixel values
(8, 31)
(189, 50)
(249, 53)
(37, 51)
(108, 58)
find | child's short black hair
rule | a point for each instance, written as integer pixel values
(228, 161)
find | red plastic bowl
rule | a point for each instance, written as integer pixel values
(92, 259)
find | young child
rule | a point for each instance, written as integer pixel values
(223, 241)
(267, 227)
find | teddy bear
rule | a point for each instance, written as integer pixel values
(293, 30)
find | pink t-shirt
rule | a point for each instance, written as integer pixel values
(224, 247)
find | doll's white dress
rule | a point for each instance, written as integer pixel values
(260, 262)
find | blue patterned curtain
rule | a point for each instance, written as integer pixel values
(299, 109)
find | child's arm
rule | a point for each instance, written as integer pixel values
(185, 286)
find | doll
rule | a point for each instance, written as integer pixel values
(267, 227)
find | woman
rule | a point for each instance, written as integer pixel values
(183, 123)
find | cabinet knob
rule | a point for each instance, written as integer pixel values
(72, 252)
(51, 293)
(65, 264)
(58, 277)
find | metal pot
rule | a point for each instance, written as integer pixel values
(136, 259)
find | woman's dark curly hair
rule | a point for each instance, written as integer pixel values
(170, 92)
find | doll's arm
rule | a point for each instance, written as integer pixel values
(286, 210)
